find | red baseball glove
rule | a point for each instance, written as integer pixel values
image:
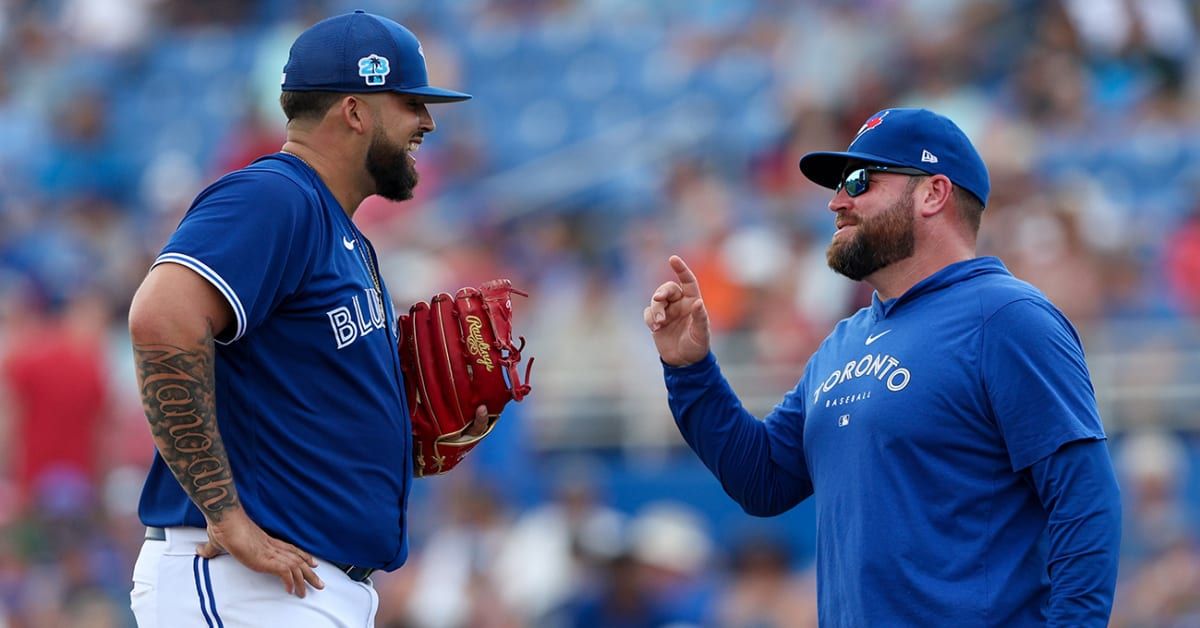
(457, 354)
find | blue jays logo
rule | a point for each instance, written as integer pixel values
(374, 69)
(870, 124)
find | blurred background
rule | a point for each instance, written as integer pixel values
(604, 136)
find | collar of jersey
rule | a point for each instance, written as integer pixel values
(946, 277)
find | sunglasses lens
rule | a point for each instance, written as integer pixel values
(856, 182)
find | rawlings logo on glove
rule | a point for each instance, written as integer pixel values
(475, 343)
(449, 350)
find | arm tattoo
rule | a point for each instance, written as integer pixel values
(178, 395)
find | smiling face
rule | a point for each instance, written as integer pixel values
(876, 228)
(402, 122)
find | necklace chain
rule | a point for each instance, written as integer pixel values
(363, 254)
(288, 152)
(366, 258)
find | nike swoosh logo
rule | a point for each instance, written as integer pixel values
(881, 334)
(349, 244)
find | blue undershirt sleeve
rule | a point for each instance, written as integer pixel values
(1078, 488)
(760, 464)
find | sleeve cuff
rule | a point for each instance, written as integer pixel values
(1033, 456)
(218, 282)
(695, 370)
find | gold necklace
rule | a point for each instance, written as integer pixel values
(288, 152)
(367, 259)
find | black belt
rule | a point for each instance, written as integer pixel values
(357, 574)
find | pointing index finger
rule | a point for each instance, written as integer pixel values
(687, 279)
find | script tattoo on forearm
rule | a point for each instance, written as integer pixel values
(178, 396)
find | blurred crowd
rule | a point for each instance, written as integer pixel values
(604, 136)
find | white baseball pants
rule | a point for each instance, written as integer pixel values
(175, 588)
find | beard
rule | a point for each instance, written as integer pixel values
(877, 242)
(390, 169)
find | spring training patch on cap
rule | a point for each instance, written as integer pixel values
(374, 69)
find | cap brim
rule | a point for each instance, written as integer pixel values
(435, 94)
(826, 168)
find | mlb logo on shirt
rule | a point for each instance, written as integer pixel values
(844, 420)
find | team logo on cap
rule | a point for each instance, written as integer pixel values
(872, 123)
(374, 69)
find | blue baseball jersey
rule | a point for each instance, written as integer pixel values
(913, 427)
(309, 392)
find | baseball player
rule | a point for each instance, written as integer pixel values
(948, 432)
(266, 350)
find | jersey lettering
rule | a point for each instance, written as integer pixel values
(350, 324)
(882, 367)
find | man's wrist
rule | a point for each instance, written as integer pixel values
(229, 515)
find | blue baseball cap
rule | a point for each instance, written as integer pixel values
(911, 138)
(361, 52)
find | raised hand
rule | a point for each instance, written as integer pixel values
(677, 318)
(239, 536)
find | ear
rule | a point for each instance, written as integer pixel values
(934, 195)
(354, 113)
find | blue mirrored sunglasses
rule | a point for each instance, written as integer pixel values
(858, 180)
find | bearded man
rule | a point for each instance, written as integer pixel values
(948, 432)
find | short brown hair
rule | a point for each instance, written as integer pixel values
(307, 105)
(969, 208)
